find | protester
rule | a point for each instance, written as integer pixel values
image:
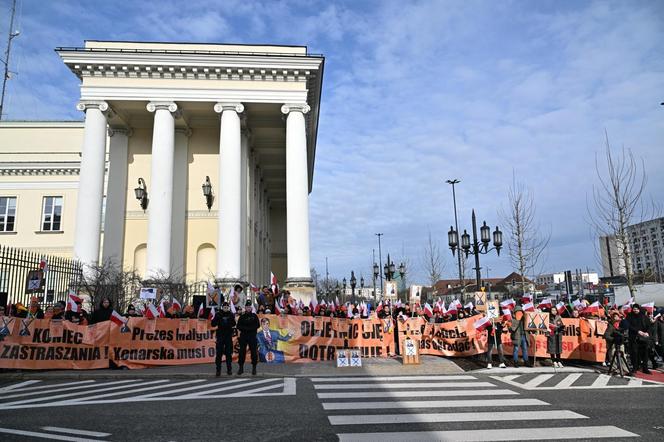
(103, 312)
(518, 336)
(554, 341)
(35, 312)
(58, 310)
(225, 323)
(248, 325)
(638, 325)
(494, 338)
(613, 329)
(131, 311)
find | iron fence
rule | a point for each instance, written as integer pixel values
(24, 274)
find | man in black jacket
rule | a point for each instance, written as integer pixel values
(248, 325)
(225, 323)
(639, 325)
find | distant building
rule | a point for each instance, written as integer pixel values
(646, 246)
(553, 281)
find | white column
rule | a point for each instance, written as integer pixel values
(180, 172)
(244, 159)
(297, 194)
(91, 183)
(116, 196)
(229, 243)
(160, 189)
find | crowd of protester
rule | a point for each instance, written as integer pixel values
(635, 329)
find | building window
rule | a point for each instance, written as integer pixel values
(52, 213)
(7, 213)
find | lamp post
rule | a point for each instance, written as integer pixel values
(376, 271)
(353, 283)
(362, 287)
(141, 193)
(344, 284)
(380, 261)
(207, 192)
(480, 247)
(456, 225)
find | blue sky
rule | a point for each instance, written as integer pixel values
(415, 92)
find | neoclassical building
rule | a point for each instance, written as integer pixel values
(193, 160)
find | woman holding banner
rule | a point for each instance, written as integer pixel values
(554, 342)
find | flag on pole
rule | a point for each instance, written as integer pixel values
(482, 323)
(253, 287)
(201, 309)
(118, 319)
(592, 308)
(509, 304)
(428, 310)
(452, 309)
(72, 302)
(545, 303)
(560, 307)
(468, 306)
(526, 298)
(507, 315)
(176, 305)
(529, 307)
(43, 265)
(649, 306)
(162, 309)
(151, 311)
(577, 304)
(274, 284)
(212, 314)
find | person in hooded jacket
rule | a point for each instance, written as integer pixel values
(103, 312)
(225, 323)
(639, 326)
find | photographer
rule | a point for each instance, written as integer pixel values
(614, 336)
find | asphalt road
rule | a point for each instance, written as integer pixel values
(454, 407)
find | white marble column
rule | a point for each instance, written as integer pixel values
(297, 194)
(160, 189)
(116, 196)
(91, 183)
(229, 243)
(244, 192)
(180, 177)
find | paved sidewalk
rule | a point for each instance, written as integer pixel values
(371, 367)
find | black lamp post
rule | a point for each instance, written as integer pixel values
(207, 192)
(343, 281)
(480, 247)
(141, 193)
(362, 287)
(376, 272)
(353, 283)
(456, 224)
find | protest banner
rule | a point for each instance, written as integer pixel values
(480, 301)
(148, 293)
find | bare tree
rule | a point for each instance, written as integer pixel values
(617, 203)
(525, 241)
(432, 261)
(108, 280)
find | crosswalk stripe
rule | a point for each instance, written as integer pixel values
(512, 434)
(403, 385)
(138, 390)
(634, 382)
(472, 416)
(400, 394)
(17, 386)
(568, 380)
(90, 392)
(392, 378)
(75, 431)
(433, 404)
(207, 393)
(190, 387)
(44, 389)
(44, 435)
(537, 380)
(601, 381)
(255, 390)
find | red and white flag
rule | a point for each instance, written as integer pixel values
(508, 303)
(545, 303)
(529, 307)
(162, 309)
(212, 313)
(274, 284)
(526, 298)
(452, 309)
(118, 318)
(627, 308)
(277, 308)
(507, 315)
(332, 308)
(176, 305)
(428, 310)
(468, 306)
(201, 310)
(151, 311)
(560, 307)
(253, 287)
(72, 301)
(577, 304)
(650, 307)
(592, 308)
(482, 323)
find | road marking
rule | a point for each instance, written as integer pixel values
(90, 392)
(403, 385)
(44, 435)
(138, 390)
(601, 381)
(74, 431)
(635, 382)
(400, 394)
(537, 380)
(255, 390)
(19, 385)
(473, 416)
(207, 394)
(512, 434)
(44, 389)
(433, 404)
(391, 378)
(191, 387)
(568, 380)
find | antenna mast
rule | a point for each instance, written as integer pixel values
(11, 35)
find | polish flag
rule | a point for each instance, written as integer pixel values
(443, 310)
(350, 311)
(507, 315)
(118, 318)
(650, 307)
(162, 309)
(253, 287)
(212, 314)
(509, 304)
(43, 265)
(482, 323)
(176, 305)
(151, 311)
(72, 300)
(277, 308)
(428, 310)
(379, 307)
(529, 307)
(526, 298)
(577, 304)
(560, 307)
(545, 303)
(201, 309)
(627, 308)
(452, 309)
(313, 305)
(592, 308)
(458, 303)
(468, 306)
(274, 283)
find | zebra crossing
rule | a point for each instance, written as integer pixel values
(573, 381)
(39, 394)
(447, 408)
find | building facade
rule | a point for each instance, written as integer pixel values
(168, 121)
(554, 280)
(646, 249)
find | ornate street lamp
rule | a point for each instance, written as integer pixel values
(207, 192)
(141, 193)
(353, 283)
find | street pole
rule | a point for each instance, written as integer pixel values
(5, 76)
(476, 249)
(380, 263)
(456, 225)
(373, 277)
